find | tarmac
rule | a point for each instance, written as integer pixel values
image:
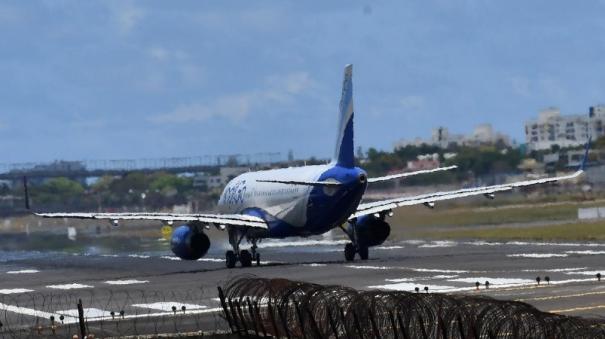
(35, 286)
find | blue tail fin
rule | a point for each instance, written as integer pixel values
(344, 153)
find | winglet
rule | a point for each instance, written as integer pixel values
(343, 153)
(26, 192)
(585, 159)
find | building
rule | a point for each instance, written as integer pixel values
(551, 128)
(482, 134)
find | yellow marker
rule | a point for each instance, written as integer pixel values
(166, 232)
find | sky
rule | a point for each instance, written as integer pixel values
(144, 79)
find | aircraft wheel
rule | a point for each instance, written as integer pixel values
(349, 252)
(231, 259)
(257, 259)
(363, 252)
(245, 258)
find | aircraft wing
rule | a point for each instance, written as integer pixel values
(216, 219)
(430, 198)
(409, 174)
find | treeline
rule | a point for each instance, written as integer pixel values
(134, 191)
(161, 191)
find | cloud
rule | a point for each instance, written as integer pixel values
(413, 103)
(125, 15)
(237, 107)
(520, 85)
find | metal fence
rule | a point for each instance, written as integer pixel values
(291, 309)
(103, 314)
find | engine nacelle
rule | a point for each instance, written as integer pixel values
(372, 231)
(189, 244)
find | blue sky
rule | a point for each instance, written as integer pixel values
(134, 79)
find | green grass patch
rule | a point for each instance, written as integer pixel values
(581, 231)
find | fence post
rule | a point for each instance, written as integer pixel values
(221, 296)
(81, 319)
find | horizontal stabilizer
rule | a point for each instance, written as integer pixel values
(410, 174)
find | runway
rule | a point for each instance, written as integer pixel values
(35, 286)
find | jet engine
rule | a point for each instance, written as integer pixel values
(371, 230)
(188, 243)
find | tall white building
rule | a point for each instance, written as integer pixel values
(552, 128)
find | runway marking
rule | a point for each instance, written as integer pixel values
(562, 296)
(23, 272)
(315, 265)
(167, 306)
(212, 259)
(556, 270)
(577, 309)
(567, 244)
(395, 247)
(493, 281)
(14, 290)
(170, 258)
(593, 273)
(26, 311)
(586, 252)
(437, 270)
(270, 244)
(73, 286)
(139, 256)
(126, 282)
(439, 243)
(537, 255)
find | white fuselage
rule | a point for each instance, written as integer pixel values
(283, 201)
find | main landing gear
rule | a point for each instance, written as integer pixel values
(354, 247)
(351, 249)
(245, 257)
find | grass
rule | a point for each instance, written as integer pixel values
(530, 221)
(580, 231)
(422, 217)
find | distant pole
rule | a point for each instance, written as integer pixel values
(81, 319)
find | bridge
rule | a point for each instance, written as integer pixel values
(97, 168)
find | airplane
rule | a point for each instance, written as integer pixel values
(301, 202)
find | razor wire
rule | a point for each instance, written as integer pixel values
(109, 313)
(292, 309)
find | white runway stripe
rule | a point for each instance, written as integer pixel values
(23, 272)
(14, 290)
(537, 255)
(73, 286)
(126, 282)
